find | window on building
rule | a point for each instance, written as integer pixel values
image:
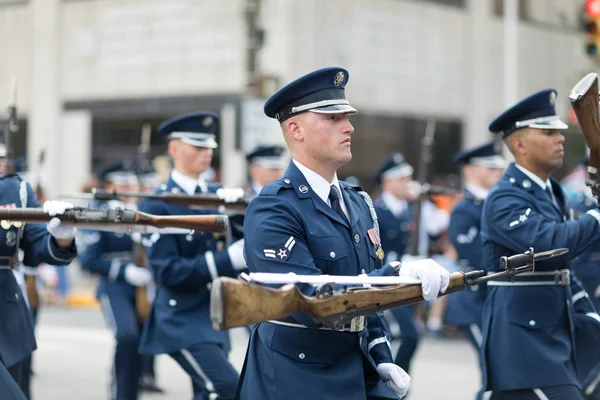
(454, 3)
(523, 8)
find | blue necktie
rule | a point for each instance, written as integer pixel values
(334, 199)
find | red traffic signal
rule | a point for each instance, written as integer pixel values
(592, 7)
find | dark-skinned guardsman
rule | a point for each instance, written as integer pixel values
(184, 266)
(482, 167)
(52, 244)
(528, 348)
(109, 255)
(308, 222)
(265, 165)
(396, 214)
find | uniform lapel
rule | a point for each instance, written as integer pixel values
(303, 190)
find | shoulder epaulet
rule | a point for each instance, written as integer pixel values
(356, 188)
(273, 188)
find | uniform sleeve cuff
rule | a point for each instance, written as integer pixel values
(60, 254)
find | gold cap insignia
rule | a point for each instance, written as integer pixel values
(207, 121)
(339, 78)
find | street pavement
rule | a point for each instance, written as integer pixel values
(75, 350)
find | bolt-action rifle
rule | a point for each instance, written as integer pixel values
(120, 220)
(237, 302)
(206, 200)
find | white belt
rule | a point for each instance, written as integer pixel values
(562, 277)
(356, 324)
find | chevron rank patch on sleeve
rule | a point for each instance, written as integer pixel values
(282, 252)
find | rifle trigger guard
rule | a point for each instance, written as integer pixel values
(325, 290)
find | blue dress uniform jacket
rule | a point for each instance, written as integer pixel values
(465, 307)
(183, 271)
(586, 300)
(288, 228)
(107, 254)
(528, 330)
(16, 326)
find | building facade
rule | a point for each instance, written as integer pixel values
(92, 72)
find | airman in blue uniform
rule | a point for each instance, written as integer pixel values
(308, 222)
(586, 268)
(184, 266)
(265, 165)
(395, 214)
(52, 244)
(482, 167)
(110, 255)
(528, 347)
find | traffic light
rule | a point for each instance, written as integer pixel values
(592, 11)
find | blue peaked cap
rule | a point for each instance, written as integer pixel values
(321, 91)
(267, 156)
(197, 129)
(394, 167)
(489, 155)
(536, 111)
(119, 172)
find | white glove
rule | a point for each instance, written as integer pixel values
(59, 230)
(236, 255)
(395, 378)
(56, 207)
(230, 195)
(137, 276)
(434, 278)
(56, 228)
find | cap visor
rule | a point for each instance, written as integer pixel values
(557, 124)
(335, 109)
(210, 144)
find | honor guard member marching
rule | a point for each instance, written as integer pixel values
(184, 266)
(265, 165)
(308, 222)
(52, 244)
(395, 214)
(586, 268)
(528, 348)
(109, 255)
(482, 167)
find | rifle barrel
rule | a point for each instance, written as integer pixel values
(118, 216)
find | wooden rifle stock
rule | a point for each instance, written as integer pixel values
(584, 100)
(119, 216)
(235, 303)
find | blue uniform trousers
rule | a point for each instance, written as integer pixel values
(148, 365)
(211, 373)
(20, 373)
(9, 389)
(563, 392)
(120, 316)
(405, 318)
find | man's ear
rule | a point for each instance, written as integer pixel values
(172, 148)
(295, 129)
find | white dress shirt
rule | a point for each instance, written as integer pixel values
(321, 186)
(188, 184)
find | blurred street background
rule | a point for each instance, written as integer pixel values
(87, 75)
